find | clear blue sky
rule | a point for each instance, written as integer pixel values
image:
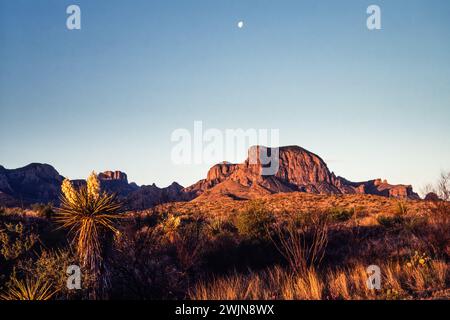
(370, 103)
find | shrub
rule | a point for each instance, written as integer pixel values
(435, 234)
(217, 226)
(4, 211)
(222, 252)
(189, 241)
(44, 210)
(51, 265)
(16, 240)
(390, 221)
(142, 269)
(402, 209)
(340, 214)
(303, 246)
(254, 222)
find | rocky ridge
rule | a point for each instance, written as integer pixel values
(299, 170)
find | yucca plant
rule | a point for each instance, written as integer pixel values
(28, 289)
(89, 215)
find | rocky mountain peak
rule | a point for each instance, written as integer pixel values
(175, 186)
(35, 182)
(298, 170)
(113, 175)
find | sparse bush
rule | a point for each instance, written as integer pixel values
(142, 269)
(435, 234)
(51, 267)
(397, 220)
(189, 241)
(222, 252)
(402, 209)
(253, 223)
(15, 240)
(218, 226)
(7, 212)
(340, 214)
(390, 221)
(443, 187)
(302, 244)
(44, 210)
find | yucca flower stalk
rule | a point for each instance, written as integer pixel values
(93, 186)
(28, 289)
(89, 215)
(68, 191)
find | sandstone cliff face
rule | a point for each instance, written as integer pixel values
(113, 175)
(301, 167)
(377, 187)
(299, 170)
(116, 182)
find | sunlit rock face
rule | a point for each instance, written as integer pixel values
(298, 170)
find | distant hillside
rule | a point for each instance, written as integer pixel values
(41, 183)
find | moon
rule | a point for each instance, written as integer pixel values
(240, 24)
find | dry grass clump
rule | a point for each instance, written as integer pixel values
(302, 242)
(28, 289)
(399, 281)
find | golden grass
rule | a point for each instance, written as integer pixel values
(398, 282)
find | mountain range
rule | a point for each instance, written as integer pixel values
(299, 171)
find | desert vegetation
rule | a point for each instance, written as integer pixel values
(286, 246)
